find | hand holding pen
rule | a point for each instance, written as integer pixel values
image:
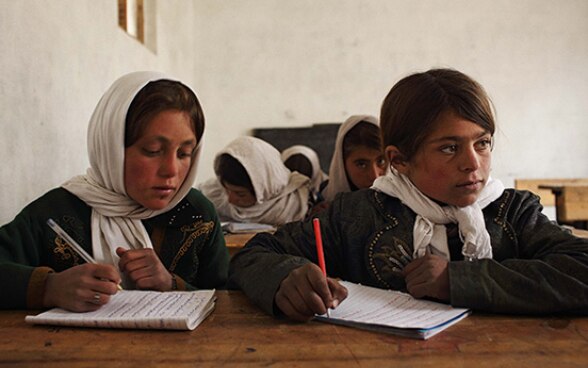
(81, 288)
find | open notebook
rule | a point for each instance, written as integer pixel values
(174, 310)
(392, 312)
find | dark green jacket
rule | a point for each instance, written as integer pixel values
(188, 240)
(537, 266)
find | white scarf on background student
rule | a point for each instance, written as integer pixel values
(282, 195)
(429, 232)
(338, 181)
(318, 176)
(116, 218)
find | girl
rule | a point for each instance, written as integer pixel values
(134, 211)
(358, 159)
(306, 161)
(437, 225)
(253, 185)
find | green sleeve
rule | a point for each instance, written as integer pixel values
(21, 255)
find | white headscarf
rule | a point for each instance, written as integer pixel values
(338, 181)
(429, 231)
(116, 218)
(318, 175)
(282, 195)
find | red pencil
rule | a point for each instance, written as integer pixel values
(319, 249)
(319, 245)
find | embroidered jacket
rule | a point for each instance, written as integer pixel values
(188, 240)
(537, 266)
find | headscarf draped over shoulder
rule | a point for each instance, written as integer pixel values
(116, 218)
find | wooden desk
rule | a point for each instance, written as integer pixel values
(237, 241)
(542, 187)
(571, 203)
(239, 334)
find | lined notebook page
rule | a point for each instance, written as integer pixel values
(180, 310)
(392, 308)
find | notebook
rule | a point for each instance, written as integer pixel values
(393, 312)
(246, 227)
(174, 310)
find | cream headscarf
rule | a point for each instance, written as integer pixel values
(282, 195)
(338, 181)
(318, 175)
(116, 218)
(429, 232)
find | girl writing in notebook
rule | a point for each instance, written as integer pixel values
(254, 185)
(134, 211)
(437, 225)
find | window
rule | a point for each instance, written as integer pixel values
(131, 18)
(137, 19)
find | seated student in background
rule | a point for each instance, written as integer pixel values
(305, 160)
(437, 225)
(253, 185)
(358, 158)
(134, 212)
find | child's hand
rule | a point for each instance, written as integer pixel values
(428, 276)
(81, 288)
(145, 269)
(306, 292)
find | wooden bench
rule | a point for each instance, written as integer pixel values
(543, 187)
(569, 196)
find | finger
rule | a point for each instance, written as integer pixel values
(140, 272)
(416, 276)
(338, 291)
(319, 283)
(288, 298)
(418, 290)
(120, 251)
(130, 256)
(94, 297)
(297, 290)
(136, 265)
(301, 296)
(286, 307)
(413, 265)
(107, 272)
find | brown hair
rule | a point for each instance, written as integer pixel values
(158, 96)
(299, 162)
(363, 134)
(413, 104)
(230, 170)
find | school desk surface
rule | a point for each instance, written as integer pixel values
(238, 334)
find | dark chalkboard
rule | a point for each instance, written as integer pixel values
(319, 137)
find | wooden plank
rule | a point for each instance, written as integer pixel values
(546, 194)
(238, 334)
(580, 233)
(235, 242)
(574, 203)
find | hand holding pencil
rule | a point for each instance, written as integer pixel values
(307, 291)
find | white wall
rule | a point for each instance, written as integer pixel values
(264, 63)
(57, 58)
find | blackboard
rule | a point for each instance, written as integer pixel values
(320, 137)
